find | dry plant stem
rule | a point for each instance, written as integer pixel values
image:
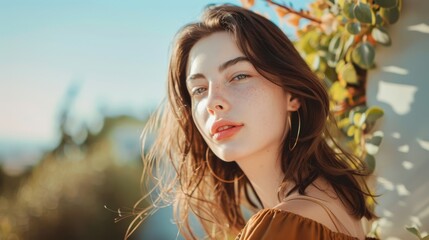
(291, 10)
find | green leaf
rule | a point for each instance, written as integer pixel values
(331, 59)
(330, 76)
(356, 118)
(353, 27)
(322, 66)
(314, 40)
(348, 9)
(324, 41)
(390, 15)
(348, 55)
(364, 13)
(349, 42)
(351, 130)
(370, 162)
(381, 36)
(349, 74)
(372, 144)
(313, 60)
(376, 138)
(357, 137)
(343, 123)
(373, 113)
(316, 62)
(363, 55)
(378, 20)
(337, 92)
(371, 148)
(340, 65)
(360, 109)
(426, 238)
(306, 43)
(361, 121)
(357, 109)
(414, 231)
(336, 49)
(335, 43)
(387, 3)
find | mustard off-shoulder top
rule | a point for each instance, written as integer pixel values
(278, 224)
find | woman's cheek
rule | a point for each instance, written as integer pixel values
(199, 115)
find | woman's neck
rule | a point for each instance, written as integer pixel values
(264, 173)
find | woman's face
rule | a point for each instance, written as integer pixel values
(238, 112)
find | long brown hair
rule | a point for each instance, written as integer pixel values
(191, 187)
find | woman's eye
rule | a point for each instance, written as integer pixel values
(240, 77)
(198, 91)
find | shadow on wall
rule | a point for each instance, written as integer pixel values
(400, 85)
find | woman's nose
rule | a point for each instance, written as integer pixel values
(217, 100)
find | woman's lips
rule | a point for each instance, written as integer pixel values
(226, 132)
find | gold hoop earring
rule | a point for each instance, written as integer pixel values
(216, 176)
(297, 134)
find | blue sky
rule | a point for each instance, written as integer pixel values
(116, 50)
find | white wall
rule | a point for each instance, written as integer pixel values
(400, 85)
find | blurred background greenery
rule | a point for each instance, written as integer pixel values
(64, 194)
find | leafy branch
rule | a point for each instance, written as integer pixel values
(338, 43)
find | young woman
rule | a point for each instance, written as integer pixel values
(246, 125)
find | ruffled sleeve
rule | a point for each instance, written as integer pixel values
(276, 224)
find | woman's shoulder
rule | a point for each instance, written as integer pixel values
(274, 223)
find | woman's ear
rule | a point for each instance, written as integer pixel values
(293, 103)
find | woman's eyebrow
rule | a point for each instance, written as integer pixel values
(194, 76)
(231, 62)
